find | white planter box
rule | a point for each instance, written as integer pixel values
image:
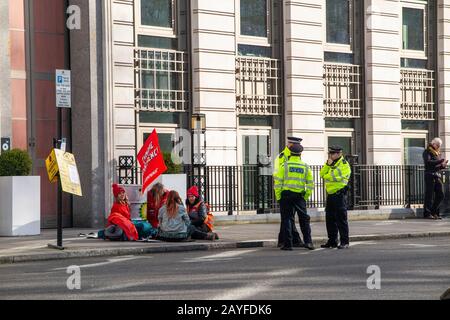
(175, 182)
(20, 206)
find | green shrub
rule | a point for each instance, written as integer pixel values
(15, 162)
(171, 166)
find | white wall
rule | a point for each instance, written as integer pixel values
(444, 73)
(214, 84)
(382, 44)
(303, 61)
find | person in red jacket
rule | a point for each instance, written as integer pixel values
(199, 215)
(120, 215)
(156, 198)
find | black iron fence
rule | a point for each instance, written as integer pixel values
(250, 187)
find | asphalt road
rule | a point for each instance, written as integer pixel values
(409, 269)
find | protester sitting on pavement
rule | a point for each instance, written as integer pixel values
(434, 187)
(200, 216)
(174, 222)
(156, 198)
(119, 225)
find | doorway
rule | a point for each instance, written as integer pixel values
(254, 146)
(413, 148)
(345, 139)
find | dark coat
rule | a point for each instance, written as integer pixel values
(433, 163)
(197, 212)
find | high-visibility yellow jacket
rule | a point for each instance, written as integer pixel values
(336, 176)
(291, 173)
(286, 153)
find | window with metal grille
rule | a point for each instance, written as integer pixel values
(417, 87)
(342, 84)
(161, 79)
(258, 86)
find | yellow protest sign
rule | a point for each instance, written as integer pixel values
(67, 169)
(52, 167)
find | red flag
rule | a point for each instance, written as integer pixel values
(151, 160)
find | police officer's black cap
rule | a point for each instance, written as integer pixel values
(335, 149)
(294, 140)
(296, 149)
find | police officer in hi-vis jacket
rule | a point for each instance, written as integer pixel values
(297, 240)
(336, 174)
(294, 184)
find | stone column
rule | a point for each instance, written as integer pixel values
(443, 63)
(382, 45)
(5, 71)
(213, 71)
(443, 84)
(303, 61)
(88, 110)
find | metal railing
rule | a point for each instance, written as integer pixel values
(248, 188)
(417, 87)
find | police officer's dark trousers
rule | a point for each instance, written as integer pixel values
(434, 194)
(336, 217)
(296, 239)
(292, 202)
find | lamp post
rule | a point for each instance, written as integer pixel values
(198, 125)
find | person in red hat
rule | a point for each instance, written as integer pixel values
(119, 219)
(200, 216)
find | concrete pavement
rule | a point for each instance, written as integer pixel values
(414, 269)
(13, 250)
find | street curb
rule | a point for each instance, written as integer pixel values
(67, 254)
(318, 215)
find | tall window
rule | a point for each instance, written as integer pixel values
(338, 21)
(413, 29)
(254, 18)
(157, 13)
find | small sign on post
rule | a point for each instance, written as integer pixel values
(63, 89)
(62, 164)
(51, 164)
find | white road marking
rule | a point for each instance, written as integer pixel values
(356, 243)
(249, 291)
(119, 286)
(110, 261)
(228, 255)
(419, 245)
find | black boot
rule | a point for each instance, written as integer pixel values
(329, 245)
